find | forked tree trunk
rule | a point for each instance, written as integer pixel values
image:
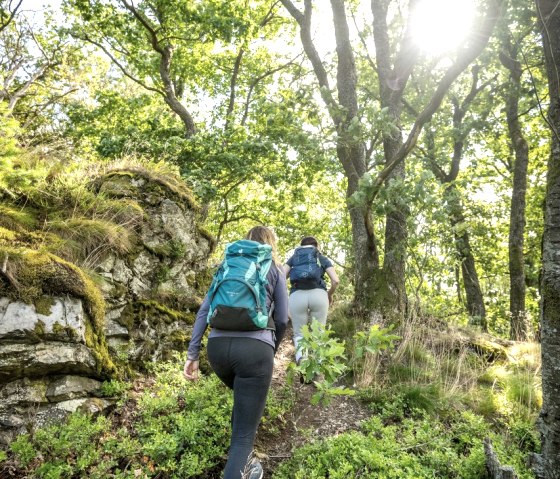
(547, 464)
(378, 291)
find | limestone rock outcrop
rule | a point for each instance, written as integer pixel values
(62, 334)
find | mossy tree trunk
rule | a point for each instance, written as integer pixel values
(547, 464)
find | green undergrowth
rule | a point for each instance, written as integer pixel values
(434, 396)
(435, 383)
(419, 446)
(175, 429)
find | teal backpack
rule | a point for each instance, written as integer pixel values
(237, 295)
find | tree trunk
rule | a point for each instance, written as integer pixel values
(518, 323)
(393, 78)
(547, 464)
(351, 153)
(394, 258)
(473, 292)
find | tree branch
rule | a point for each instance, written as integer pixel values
(121, 67)
(304, 22)
(255, 82)
(232, 85)
(166, 53)
(5, 22)
(466, 56)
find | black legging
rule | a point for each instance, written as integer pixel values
(244, 365)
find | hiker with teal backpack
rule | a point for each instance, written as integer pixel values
(247, 309)
(309, 298)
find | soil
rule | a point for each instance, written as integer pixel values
(305, 422)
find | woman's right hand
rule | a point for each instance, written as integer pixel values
(190, 370)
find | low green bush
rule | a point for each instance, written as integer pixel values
(419, 447)
(179, 429)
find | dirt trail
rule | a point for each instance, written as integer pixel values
(305, 422)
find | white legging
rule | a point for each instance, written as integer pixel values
(305, 306)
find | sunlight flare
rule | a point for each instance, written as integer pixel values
(440, 26)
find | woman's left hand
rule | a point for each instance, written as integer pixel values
(190, 370)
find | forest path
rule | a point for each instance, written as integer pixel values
(305, 422)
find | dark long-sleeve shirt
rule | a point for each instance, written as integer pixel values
(276, 293)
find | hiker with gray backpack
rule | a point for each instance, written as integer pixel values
(309, 297)
(247, 309)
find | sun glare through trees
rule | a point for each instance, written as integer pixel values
(440, 26)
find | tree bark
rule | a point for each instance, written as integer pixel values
(393, 79)
(547, 464)
(351, 153)
(518, 322)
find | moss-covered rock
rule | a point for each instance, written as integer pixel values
(125, 183)
(31, 275)
(155, 331)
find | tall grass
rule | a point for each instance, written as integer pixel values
(55, 196)
(436, 366)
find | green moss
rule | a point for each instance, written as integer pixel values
(36, 274)
(98, 346)
(17, 219)
(162, 273)
(40, 328)
(62, 330)
(178, 336)
(489, 350)
(172, 249)
(43, 305)
(154, 313)
(6, 234)
(172, 183)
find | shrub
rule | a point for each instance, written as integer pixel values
(420, 447)
(181, 429)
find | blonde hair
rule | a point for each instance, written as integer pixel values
(264, 235)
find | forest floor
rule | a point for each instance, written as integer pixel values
(305, 421)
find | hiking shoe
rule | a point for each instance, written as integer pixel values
(255, 470)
